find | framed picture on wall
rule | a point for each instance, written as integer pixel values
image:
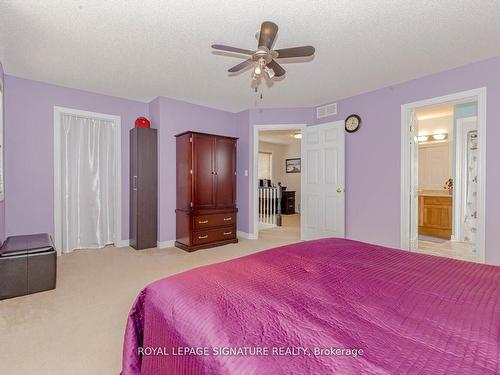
(292, 165)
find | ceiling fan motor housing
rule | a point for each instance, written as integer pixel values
(262, 53)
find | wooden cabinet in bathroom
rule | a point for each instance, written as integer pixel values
(435, 215)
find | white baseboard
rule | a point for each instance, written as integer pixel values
(171, 243)
(161, 245)
(166, 244)
(243, 234)
(248, 236)
(122, 243)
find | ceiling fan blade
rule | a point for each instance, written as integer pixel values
(278, 70)
(241, 66)
(232, 49)
(268, 31)
(295, 52)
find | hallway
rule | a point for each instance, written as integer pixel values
(289, 231)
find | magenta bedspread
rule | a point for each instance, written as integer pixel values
(319, 307)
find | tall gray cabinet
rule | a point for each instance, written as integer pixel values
(143, 188)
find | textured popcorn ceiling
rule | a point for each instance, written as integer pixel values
(142, 49)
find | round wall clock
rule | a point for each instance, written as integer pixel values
(352, 123)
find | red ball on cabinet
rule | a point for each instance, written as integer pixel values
(142, 122)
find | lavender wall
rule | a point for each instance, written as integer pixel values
(2, 203)
(242, 165)
(266, 116)
(29, 149)
(171, 117)
(373, 153)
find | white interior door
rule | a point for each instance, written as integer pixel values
(323, 198)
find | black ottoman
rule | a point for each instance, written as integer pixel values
(28, 264)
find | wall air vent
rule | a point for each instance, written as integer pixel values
(326, 110)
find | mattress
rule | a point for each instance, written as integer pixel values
(319, 307)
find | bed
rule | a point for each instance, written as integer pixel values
(319, 307)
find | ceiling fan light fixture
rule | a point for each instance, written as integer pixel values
(269, 72)
(264, 57)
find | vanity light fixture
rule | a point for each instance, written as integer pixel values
(432, 137)
(297, 135)
(439, 136)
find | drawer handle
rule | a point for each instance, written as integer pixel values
(203, 222)
(227, 233)
(228, 218)
(203, 237)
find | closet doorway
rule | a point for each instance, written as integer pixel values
(87, 179)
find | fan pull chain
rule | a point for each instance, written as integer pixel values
(258, 96)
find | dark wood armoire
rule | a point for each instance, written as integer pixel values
(143, 188)
(206, 190)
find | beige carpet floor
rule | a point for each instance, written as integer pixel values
(77, 329)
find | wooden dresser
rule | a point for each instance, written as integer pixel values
(206, 191)
(435, 215)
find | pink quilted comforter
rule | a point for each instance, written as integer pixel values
(319, 307)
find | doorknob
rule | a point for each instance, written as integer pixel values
(340, 190)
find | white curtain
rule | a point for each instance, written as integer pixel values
(88, 178)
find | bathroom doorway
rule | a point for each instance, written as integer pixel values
(442, 189)
(447, 164)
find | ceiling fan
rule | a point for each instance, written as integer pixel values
(264, 58)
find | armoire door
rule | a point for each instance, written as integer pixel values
(225, 172)
(203, 171)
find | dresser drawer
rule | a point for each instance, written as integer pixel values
(445, 201)
(213, 235)
(213, 220)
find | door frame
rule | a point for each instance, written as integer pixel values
(58, 111)
(478, 95)
(254, 206)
